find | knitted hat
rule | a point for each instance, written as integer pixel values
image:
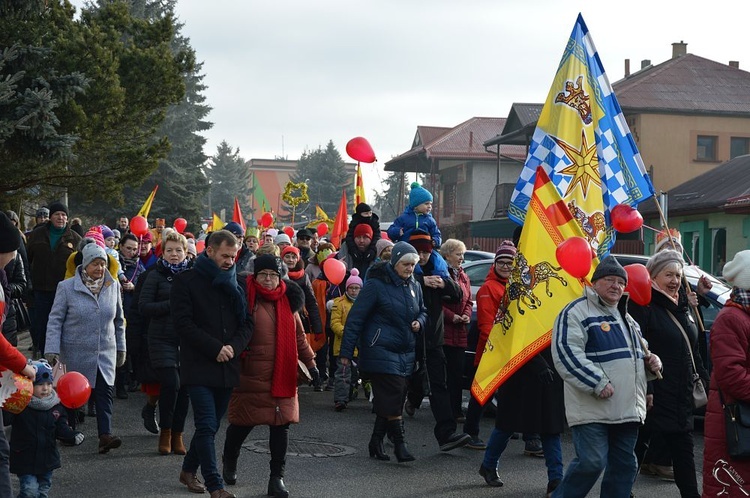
(380, 245)
(191, 247)
(354, 279)
(107, 232)
(252, 232)
(421, 240)
(662, 240)
(418, 194)
(609, 267)
(235, 228)
(147, 237)
(507, 250)
(662, 259)
(116, 233)
(43, 372)
(400, 249)
(95, 233)
(10, 236)
(267, 262)
(42, 212)
(362, 208)
(282, 238)
(288, 249)
(91, 252)
(737, 271)
(58, 206)
(363, 230)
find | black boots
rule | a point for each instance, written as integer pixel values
(229, 468)
(376, 441)
(396, 431)
(149, 418)
(276, 488)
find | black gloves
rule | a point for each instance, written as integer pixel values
(315, 374)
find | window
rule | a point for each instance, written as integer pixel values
(739, 146)
(449, 199)
(706, 148)
(718, 250)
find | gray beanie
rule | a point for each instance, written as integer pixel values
(381, 244)
(282, 238)
(91, 252)
(609, 267)
(401, 249)
(662, 259)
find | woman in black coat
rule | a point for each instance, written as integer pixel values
(18, 285)
(671, 412)
(164, 343)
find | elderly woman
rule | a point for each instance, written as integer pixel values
(730, 356)
(383, 324)
(456, 317)
(164, 342)
(669, 328)
(267, 394)
(86, 331)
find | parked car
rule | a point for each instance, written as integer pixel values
(472, 255)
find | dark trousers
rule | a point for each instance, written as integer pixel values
(278, 442)
(655, 450)
(103, 400)
(173, 400)
(42, 306)
(440, 402)
(5, 486)
(454, 362)
(680, 447)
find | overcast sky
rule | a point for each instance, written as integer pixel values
(285, 76)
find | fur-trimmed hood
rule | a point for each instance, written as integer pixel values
(295, 295)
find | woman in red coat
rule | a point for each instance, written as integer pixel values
(267, 394)
(730, 355)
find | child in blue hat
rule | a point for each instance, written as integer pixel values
(418, 214)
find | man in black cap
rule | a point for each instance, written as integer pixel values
(304, 244)
(49, 246)
(598, 351)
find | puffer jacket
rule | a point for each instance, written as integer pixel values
(730, 356)
(594, 344)
(251, 403)
(456, 334)
(379, 323)
(339, 313)
(409, 221)
(153, 303)
(489, 297)
(48, 264)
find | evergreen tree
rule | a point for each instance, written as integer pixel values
(229, 177)
(387, 203)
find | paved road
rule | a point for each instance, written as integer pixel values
(329, 458)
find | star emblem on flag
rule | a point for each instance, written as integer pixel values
(585, 167)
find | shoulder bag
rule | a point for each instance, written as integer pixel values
(737, 425)
(700, 398)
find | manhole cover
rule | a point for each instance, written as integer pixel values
(303, 448)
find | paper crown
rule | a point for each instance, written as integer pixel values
(663, 239)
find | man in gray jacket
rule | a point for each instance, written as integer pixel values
(598, 350)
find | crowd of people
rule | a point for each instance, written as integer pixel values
(224, 330)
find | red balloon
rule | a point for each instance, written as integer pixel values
(289, 231)
(626, 218)
(322, 229)
(639, 284)
(574, 255)
(359, 149)
(180, 224)
(200, 246)
(266, 220)
(73, 389)
(335, 271)
(138, 226)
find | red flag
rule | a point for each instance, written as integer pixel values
(237, 215)
(340, 224)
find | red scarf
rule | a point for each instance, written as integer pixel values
(284, 381)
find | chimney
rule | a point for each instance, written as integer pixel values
(627, 67)
(645, 63)
(471, 139)
(734, 64)
(679, 49)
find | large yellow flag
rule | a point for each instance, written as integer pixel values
(359, 188)
(216, 223)
(146, 208)
(320, 214)
(535, 293)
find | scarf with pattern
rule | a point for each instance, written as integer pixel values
(93, 284)
(739, 298)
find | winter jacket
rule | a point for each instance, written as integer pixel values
(673, 395)
(354, 258)
(379, 323)
(339, 313)
(48, 264)
(153, 303)
(434, 333)
(206, 321)
(456, 334)
(730, 356)
(17, 285)
(594, 344)
(33, 439)
(87, 331)
(489, 297)
(10, 357)
(251, 403)
(409, 221)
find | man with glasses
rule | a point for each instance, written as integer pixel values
(598, 350)
(304, 242)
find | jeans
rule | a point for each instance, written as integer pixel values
(34, 486)
(42, 306)
(454, 361)
(551, 445)
(599, 447)
(344, 378)
(209, 406)
(174, 400)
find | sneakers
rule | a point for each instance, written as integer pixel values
(476, 443)
(190, 479)
(533, 448)
(409, 408)
(455, 441)
(665, 472)
(108, 442)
